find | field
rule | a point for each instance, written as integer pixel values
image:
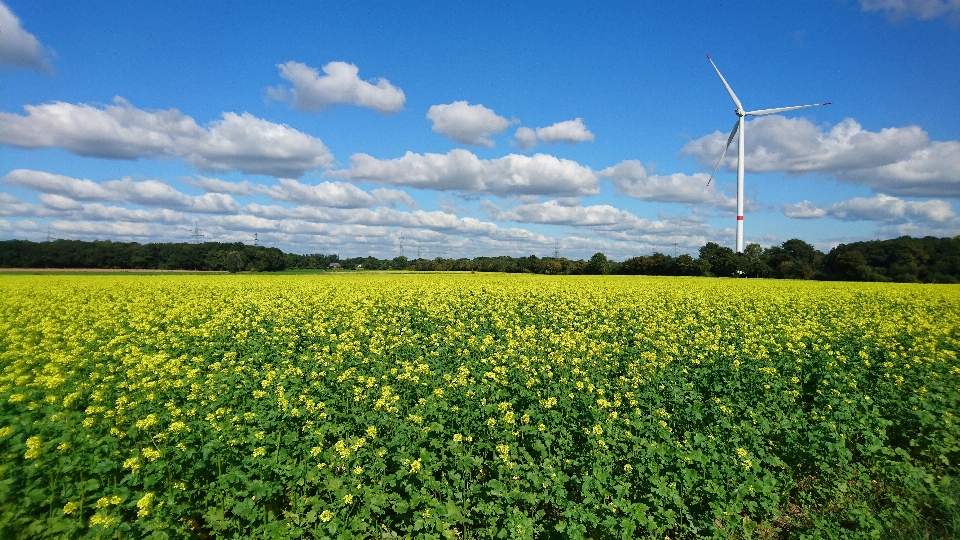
(476, 406)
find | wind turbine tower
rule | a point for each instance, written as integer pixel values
(741, 114)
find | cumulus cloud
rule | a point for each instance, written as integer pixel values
(58, 202)
(631, 178)
(898, 161)
(393, 197)
(886, 208)
(924, 10)
(803, 210)
(121, 131)
(467, 124)
(144, 193)
(340, 84)
(332, 194)
(12, 206)
(600, 217)
(215, 185)
(879, 208)
(460, 170)
(569, 131)
(389, 217)
(525, 138)
(19, 48)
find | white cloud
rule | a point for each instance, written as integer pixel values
(121, 131)
(886, 208)
(923, 10)
(803, 210)
(460, 170)
(467, 124)
(526, 138)
(58, 202)
(898, 161)
(600, 217)
(12, 206)
(393, 197)
(631, 179)
(215, 185)
(144, 193)
(568, 131)
(19, 48)
(879, 208)
(339, 84)
(330, 194)
(383, 217)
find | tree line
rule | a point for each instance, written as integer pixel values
(904, 259)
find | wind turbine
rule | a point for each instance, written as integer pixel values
(741, 114)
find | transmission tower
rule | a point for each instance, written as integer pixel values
(418, 248)
(196, 233)
(255, 239)
(674, 249)
(49, 238)
(401, 244)
(556, 250)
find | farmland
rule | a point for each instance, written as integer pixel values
(476, 406)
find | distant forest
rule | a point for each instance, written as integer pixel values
(904, 259)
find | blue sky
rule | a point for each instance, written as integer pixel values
(477, 128)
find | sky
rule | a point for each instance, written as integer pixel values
(461, 129)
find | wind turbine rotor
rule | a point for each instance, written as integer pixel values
(733, 134)
(729, 90)
(762, 112)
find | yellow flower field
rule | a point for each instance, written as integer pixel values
(475, 406)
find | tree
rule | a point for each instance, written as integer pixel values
(752, 262)
(723, 261)
(234, 261)
(598, 264)
(852, 265)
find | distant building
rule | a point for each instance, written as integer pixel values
(334, 266)
(359, 267)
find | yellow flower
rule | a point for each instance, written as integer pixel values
(33, 447)
(457, 438)
(326, 516)
(103, 520)
(416, 466)
(132, 463)
(259, 451)
(144, 505)
(372, 432)
(70, 507)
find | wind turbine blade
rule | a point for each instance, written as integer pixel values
(762, 112)
(729, 140)
(729, 90)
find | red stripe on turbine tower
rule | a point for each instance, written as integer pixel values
(739, 218)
